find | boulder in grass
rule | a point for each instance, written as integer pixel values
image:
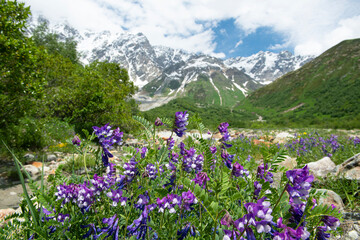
(331, 198)
(33, 171)
(51, 157)
(29, 157)
(322, 167)
(283, 137)
(350, 169)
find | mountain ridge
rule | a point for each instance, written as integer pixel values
(164, 73)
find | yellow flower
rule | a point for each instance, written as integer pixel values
(61, 145)
(305, 133)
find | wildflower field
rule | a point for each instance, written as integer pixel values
(198, 188)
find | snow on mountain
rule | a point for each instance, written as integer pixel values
(267, 66)
(164, 72)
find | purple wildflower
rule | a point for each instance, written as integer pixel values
(321, 233)
(171, 143)
(180, 123)
(227, 220)
(239, 171)
(188, 199)
(228, 158)
(183, 232)
(143, 152)
(213, 149)
(116, 196)
(130, 169)
(231, 234)
(142, 201)
(139, 227)
(107, 138)
(151, 171)
(192, 161)
(201, 179)
(331, 222)
(290, 233)
(169, 202)
(76, 140)
(299, 184)
(158, 122)
(263, 172)
(223, 127)
(112, 228)
(257, 187)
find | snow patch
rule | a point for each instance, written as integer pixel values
(216, 89)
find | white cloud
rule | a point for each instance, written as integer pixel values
(308, 26)
(238, 43)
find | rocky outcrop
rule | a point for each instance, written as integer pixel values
(331, 198)
(322, 167)
(283, 137)
(350, 169)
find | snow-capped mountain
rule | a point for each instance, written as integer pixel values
(166, 73)
(265, 67)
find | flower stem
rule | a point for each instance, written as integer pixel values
(280, 196)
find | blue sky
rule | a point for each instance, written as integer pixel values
(234, 42)
(226, 28)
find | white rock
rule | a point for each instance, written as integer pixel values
(353, 235)
(29, 157)
(33, 171)
(51, 157)
(283, 137)
(322, 167)
(331, 197)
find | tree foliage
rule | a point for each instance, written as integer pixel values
(42, 78)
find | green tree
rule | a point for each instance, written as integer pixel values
(52, 42)
(21, 74)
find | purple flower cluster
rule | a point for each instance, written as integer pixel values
(184, 232)
(107, 138)
(112, 228)
(180, 123)
(290, 233)
(171, 143)
(143, 152)
(76, 140)
(239, 171)
(188, 200)
(192, 161)
(151, 171)
(169, 202)
(355, 141)
(257, 189)
(158, 122)
(225, 135)
(142, 201)
(299, 184)
(263, 172)
(116, 196)
(130, 169)
(86, 193)
(201, 179)
(258, 215)
(303, 146)
(139, 227)
(227, 158)
(80, 194)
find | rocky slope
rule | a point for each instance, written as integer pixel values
(165, 73)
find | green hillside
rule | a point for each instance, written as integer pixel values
(212, 106)
(325, 91)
